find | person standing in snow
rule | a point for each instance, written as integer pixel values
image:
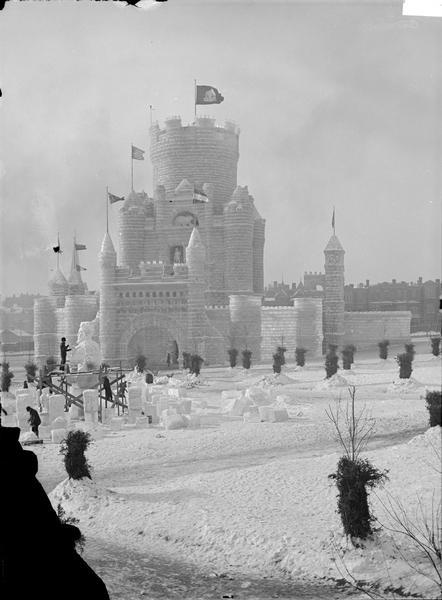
(107, 389)
(34, 419)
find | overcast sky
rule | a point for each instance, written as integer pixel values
(337, 105)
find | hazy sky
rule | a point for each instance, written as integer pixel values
(337, 104)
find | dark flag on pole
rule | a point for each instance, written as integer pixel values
(80, 247)
(80, 268)
(206, 94)
(113, 198)
(137, 153)
(57, 249)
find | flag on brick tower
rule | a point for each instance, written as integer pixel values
(80, 247)
(113, 198)
(137, 153)
(206, 94)
(199, 196)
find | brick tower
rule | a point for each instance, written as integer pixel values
(334, 293)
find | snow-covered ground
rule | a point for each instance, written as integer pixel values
(241, 503)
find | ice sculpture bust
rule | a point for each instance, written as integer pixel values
(87, 352)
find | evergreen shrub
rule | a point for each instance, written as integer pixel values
(6, 377)
(331, 361)
(433, 401)
(435, 346)
(233, 355)
(405, 361)
(353, 477)
(383, 349)
(300, 356)
(246, 359)
(73, 448)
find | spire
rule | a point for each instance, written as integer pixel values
(58, 285)
(75, 281)
(334, 245)
(107, 247)
(195, 240)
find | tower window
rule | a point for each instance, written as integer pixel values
(167, 293)
(127, 294)
(174, 294)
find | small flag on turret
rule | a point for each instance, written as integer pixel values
(113, 198)
(80, 268)
(137, 153)
(199, 196)
(80, 247)
(206, 94)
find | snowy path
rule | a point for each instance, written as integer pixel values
(135, 576)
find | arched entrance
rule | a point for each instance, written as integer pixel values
(154, 335)
(155, 343)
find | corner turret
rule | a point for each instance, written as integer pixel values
(334, 304)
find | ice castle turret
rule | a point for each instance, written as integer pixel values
(108, 262)
(334, 304)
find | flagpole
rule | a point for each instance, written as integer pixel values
(150, 110)
(334, 233)
(107, 209)
(194, 81)
(132, 168)
(58, 253)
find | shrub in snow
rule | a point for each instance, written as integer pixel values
(354, 475)
(140, 363)
(300, 356)
(6, 378)
(186, 360)
(73, 448)
(31, 371)
(434, 406)
(233, 355)
(405, 365)
(348, 354)
(409, 349)
(195, 364)
(277, 362)
(246, 359)
(353, 478)
(78, 538)
(281, 351)
(331, 361)
(383, 349)
(435, 346)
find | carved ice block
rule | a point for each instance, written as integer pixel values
(58, 435)
(90, 404)
(56, 406)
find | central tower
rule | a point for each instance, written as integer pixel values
(200, 152)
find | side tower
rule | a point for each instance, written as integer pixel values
(200, 152)
(238, 241)
(334, 292)
(108, 314)
(196, 262)
(134, 215)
